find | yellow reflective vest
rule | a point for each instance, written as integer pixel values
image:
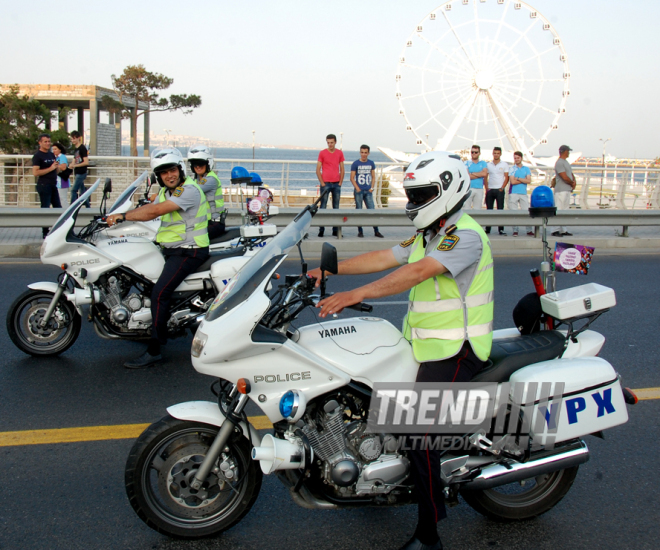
(179, 228)
(440, 319)
(216, 203)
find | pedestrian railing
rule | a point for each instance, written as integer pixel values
(294, 182)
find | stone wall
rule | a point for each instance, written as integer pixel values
(106, 140)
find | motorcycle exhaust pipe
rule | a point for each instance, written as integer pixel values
(545, 463)
(278, 454)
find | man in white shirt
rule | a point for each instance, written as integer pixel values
(498, 179)
(564, 185)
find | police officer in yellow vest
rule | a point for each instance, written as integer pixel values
(183, 236)
(448, 268)
(201, 164)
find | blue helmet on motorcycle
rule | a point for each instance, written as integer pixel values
(240, 175)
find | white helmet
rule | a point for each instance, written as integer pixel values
(437, 184)
(164, 158)
(202, 155)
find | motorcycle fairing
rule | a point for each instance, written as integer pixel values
(368, 349)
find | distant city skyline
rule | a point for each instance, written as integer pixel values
(295, 73)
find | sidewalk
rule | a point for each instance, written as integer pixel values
(26, 242)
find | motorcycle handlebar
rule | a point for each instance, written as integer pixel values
(361, 306)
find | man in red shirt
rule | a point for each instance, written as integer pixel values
(330, 171)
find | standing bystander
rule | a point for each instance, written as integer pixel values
(478, 170)
(564, 183)
(63, 170)
(362, 178)
(330, 172)
(79, 166)
(519, 177)
(498, 178)
(44, 168)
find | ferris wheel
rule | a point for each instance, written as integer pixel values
(483, 72)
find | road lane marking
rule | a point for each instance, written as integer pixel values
(645, 394)
(92, 433)
(132, 431)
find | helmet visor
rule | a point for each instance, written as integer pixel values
(420, 195)
(198, 162)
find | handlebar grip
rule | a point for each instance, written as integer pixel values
(366, 308)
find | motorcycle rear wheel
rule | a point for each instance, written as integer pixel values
(59, 334)
(522, 500)
(161, 465)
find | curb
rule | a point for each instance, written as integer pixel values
(346, 248)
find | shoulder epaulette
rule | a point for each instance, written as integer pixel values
(407, 242)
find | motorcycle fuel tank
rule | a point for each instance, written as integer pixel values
(136, 253)
(368, 349)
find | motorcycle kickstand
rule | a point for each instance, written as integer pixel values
(218, 444)
(56, 298)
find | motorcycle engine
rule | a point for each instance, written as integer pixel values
(353, 462)
(121, 306)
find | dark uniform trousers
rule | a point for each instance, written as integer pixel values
(179, 263)
(216, 229)
(426, 463)
(493, 196)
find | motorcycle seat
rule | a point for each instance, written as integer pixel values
(217, 255)
(513, 353)
(230, 234)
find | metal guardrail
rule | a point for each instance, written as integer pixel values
(345, 217)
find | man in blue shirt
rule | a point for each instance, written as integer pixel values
(362, 178)
(478, 170)
(519, 177)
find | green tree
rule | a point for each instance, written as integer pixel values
(22, 119)
(140, 85)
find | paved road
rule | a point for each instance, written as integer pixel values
(71, 495)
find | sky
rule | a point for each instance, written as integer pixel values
(295, 71)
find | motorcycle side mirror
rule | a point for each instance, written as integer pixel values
(107, 189)
(329, 258)
(328, 263)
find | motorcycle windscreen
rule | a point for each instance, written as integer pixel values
(74, 207)
(129, 192)
(259, 267)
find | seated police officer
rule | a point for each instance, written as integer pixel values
(183, 235)
(448, 268)
(201, 164)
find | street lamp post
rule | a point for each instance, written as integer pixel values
(167, 139)
(428, 147)
(600, 200)
(253, 131)
(341, 140)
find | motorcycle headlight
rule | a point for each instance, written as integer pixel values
(199, 341)
(292, 405)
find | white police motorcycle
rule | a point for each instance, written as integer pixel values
(113, 275)
(198, 471)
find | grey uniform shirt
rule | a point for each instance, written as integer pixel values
(461, 261)
(209, 185)
(562, 165)
(188, 203)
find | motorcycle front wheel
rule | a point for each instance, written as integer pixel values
(523, 499)
(24, 324)
(162, 465)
